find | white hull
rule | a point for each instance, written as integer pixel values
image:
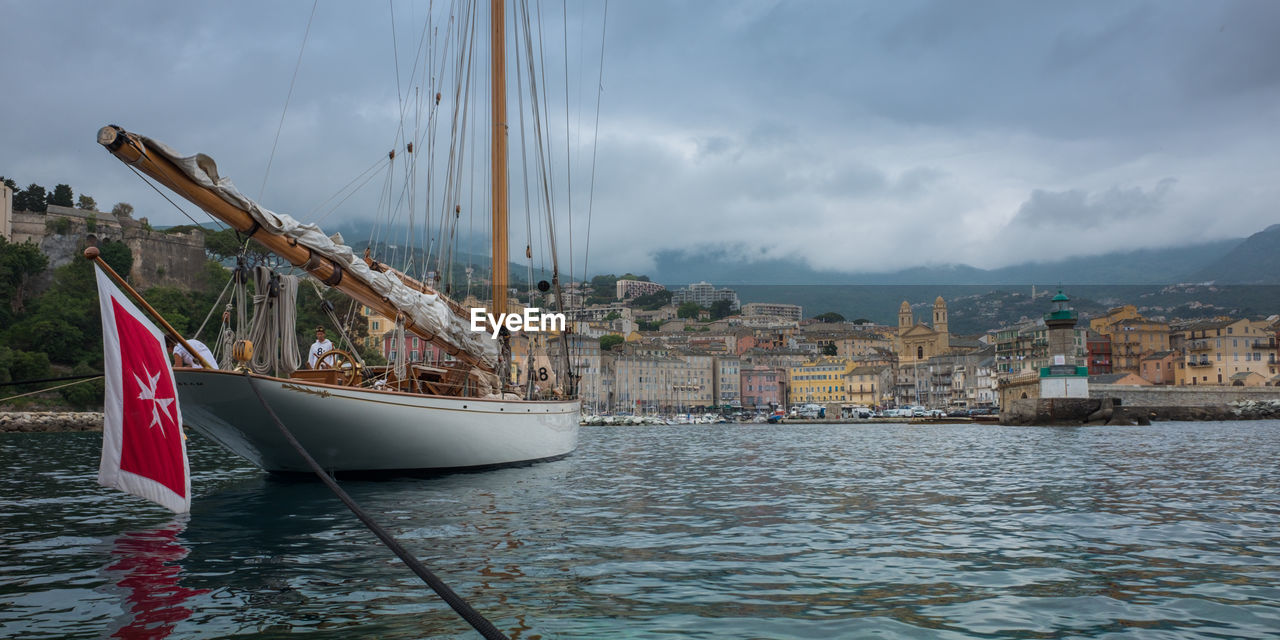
(352, 429)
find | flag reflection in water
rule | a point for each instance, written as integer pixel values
(147, 562)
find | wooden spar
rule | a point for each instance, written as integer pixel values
(92, 253)
(130, 149)
(498, 160)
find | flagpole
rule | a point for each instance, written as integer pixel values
(92, 253)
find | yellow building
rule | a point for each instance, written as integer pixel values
(820, 381)
(870, 386)
(1114, 315)
(917, 342)
(378, 325)
(1213, 352)
(1133, 338)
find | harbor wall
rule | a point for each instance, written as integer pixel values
(1127, 404)
(1181, 396)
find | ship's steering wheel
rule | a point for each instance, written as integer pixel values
(342, 362)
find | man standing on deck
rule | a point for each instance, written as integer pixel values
(318, 348)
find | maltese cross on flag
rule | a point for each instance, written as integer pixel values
(143, 451)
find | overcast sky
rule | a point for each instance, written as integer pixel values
(849, 135)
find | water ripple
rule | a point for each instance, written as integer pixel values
(830, 531)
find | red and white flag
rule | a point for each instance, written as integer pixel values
(143, 451)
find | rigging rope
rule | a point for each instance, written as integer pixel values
(287, 98)
(273, 330)
(69, 384)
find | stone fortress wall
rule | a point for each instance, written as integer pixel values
(159, 259)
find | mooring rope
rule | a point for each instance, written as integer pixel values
(69, 384)
(455, 601)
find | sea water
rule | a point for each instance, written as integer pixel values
(716, 531)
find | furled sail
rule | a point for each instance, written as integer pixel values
(428, 314)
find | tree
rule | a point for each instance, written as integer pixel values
(651, 301)
(85, 394)
(8, 182)
(87, 203)
(604, 283)
(63, 322)
(608, 342)
(118, 256)
(721, 309)
(613, 315)
(829, 317)
(31, 199)
(688, 310)
(122, 210)
(19, 264)
(17, 366)
(62, 196)
(174, 305)
(829, 350)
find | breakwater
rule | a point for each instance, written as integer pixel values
(49, 421)
(1115, 411)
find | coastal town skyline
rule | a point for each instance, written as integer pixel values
(967, 134)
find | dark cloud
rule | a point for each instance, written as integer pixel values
(1076, 208)
(849, 135)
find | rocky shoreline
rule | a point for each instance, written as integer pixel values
(50, 421)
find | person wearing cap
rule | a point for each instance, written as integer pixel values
(318, 348)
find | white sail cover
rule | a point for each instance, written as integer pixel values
(426, 310)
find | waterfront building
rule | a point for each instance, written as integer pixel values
(1024, 348)
(646, 379)
(1133, 338)
(726, 385)
(1212, 351)
(761, 386)
(772, 311)
(820, 381)
(705, 294)
(1098, 350)
(584, 354)
(1158, 367)
(870, 386)
(627, 289)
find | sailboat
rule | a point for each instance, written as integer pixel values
(466, 413)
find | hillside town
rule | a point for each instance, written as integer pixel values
(698, 349)
(636, 347)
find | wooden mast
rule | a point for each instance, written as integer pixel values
(498, 154)
(130, 149)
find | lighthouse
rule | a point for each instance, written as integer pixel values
(1064, 377)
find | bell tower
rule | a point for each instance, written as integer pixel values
(905, 321)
